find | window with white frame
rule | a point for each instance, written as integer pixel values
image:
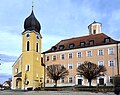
(70, 79)
(71, 45)
(28, 46)
(37, 58)
(111, 51)
(37, 47)
(16, 70)
(82, 44)
(27, 67)
(100, 63)
(53, 57)
(62, 57)
(62, 80)
(89, 53)
(70, 55)
(100, 52)
(111, 63)
(47, 58)
(36, 75)
(107, 40)
(61, 47)
(111, 79)
(91, 42)
(79, 54)
(47, 81)
(70, 66)
(78, 64)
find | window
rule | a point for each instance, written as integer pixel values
(53, 57)
(82, 44)
(37, 37)
(70, 55)
(100, 52)
(70, 79)
(36, 75)
(101, 81)
(111, 79)
(16, 70)
(91, 42)
(69, 66)
(54, 48)
(37, 49)
(61, 47)
(107, 40)
(94, 31)
(27, 35)
(78, 64)
(89, 53)
(28, 45)
(71, 45)
(111, 51)
(62, 56)
(47, 81)
(37, 58)
(27, 67)
(62, 80)
(111, 63)
(100, 63)
(79, 54)
(47, 58)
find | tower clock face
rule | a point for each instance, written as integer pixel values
(37, 37)
(27, 35)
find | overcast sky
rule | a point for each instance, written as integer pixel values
(59, 19)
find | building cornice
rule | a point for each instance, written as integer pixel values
(82, 49)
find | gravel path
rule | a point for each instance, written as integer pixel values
(52, 93)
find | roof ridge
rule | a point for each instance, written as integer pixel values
(80, 37)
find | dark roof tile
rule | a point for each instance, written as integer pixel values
(99, 39)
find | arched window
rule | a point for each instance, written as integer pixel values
(37, 47)
(28, 45)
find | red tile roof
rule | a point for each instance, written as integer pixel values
(99, 39)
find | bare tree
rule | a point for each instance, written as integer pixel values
(90, 71)
(56, 71)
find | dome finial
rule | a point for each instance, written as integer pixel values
(32, 4)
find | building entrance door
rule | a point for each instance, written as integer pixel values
(101, 81)
(79, 81)
(18, 83)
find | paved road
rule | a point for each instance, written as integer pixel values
(52, 93)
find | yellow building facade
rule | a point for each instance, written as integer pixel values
(28, 71)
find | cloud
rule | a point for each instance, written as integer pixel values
(50, 40)
(7, 58)
(10, 43)
(5, 71)
(4, 77)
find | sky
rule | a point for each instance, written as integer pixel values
(59, 19)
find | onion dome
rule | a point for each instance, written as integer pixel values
(31, 23)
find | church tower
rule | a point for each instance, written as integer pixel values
(94, 28)
(32, 69)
